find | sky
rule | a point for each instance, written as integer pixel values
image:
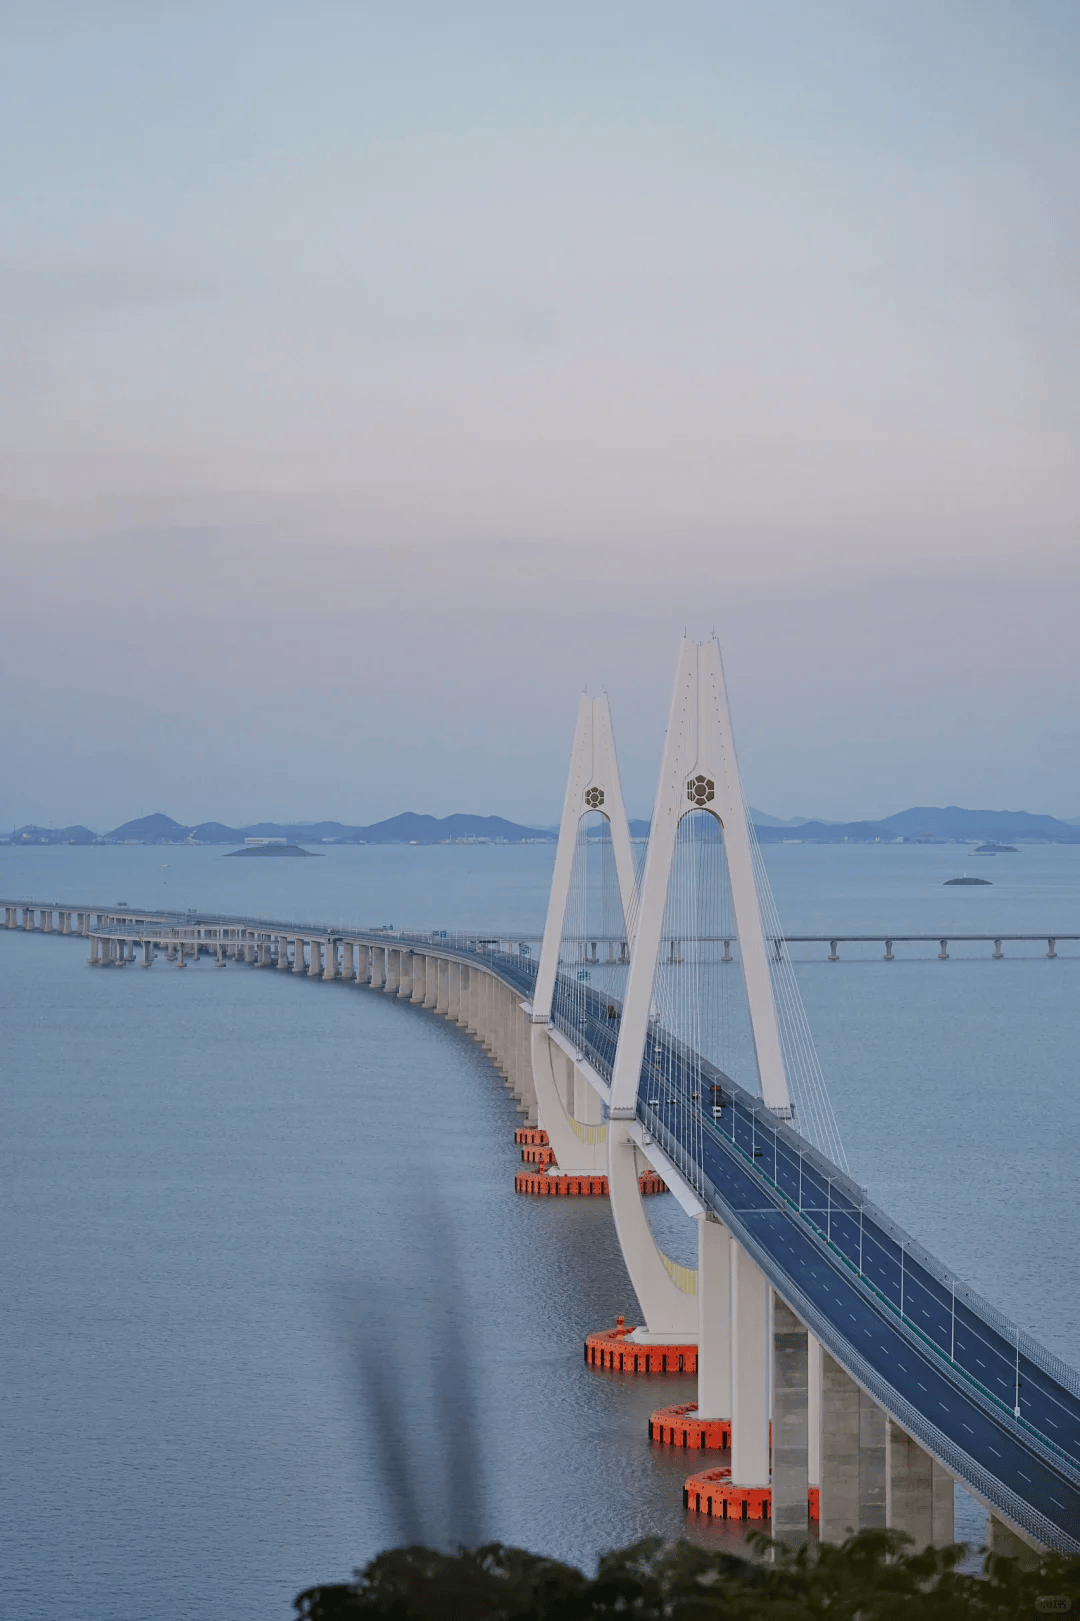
(373, 379)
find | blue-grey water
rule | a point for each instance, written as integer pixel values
(236, 1203)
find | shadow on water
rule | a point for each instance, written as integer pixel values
(413, 1375)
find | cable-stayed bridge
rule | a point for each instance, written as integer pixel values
(853, 1373)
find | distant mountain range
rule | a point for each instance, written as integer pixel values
(929, 825)
(926, 825)
(408, 828)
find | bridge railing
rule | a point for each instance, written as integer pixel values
(959, 1463)
(826, 1199)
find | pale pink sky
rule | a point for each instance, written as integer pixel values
(371, 380)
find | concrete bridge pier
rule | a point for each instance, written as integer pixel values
(920, 1493)
(790, 1426)
(46, 921)
(432, 966)
(84, 923)
(379, 955)
(714, 1318)
(749, 1371)
(314, 959)
(348, 965)
(330, 969)
(393, 970)
(364, 957)
(28, 917)
(94, 958)
(854, 1464)
(1002, 1540)
(299, 966)
(65, 922)
(180, 963)
(998, 953)
(406, 969)
(219, 955)
(148, 954)
(442, 992)
(454, 972)
(249, 953)
(263, 957)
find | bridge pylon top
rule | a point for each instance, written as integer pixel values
(699, 772)
(592, 786)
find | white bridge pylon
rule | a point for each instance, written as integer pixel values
(569, 1105)
(699, 772)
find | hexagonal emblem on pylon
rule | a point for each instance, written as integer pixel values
(699, 790)
(594, 798)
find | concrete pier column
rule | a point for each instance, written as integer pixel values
(790, 1426)
(219, 954)
(453, 991)
(839, 1452)
(249, 952)
(363, 965)
(263, 956)
(1003, 1540)
(419, 977)
(442, 988)
(393, 970)
(298, 964)
(94, 958)
(65, 922)
(998, 953)
(943, 954)
(834, 955)
(10, 916)
(180, 963)
(873, 1464)
(889, 957)
(749, 1371)
(47, 928)
(813, 1409)
(28, 917)
(348, 964)
(84, 923)
(920, 1493)
(314, 959)
(714, 1318)
(1051, 946)
(379, 955)
(330, 968)
(148, 954)
(472, 1007)
(432, 968)
(406, 964)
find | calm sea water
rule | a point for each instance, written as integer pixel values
(269, 1299)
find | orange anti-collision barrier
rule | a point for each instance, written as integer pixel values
(531, 1137)
(537, 1154)
(712, 1492)
(557, 1185)
(608, 1348)
(677, 1427)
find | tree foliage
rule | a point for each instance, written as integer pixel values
(875, 1576)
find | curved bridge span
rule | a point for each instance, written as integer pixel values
(846, 1367)
(940, 1361)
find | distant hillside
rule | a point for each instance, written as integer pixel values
(930, 823)
(925, 823)
(408, 828)
(52, 835)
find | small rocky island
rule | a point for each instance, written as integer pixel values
(966, 880)
(269, 849)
